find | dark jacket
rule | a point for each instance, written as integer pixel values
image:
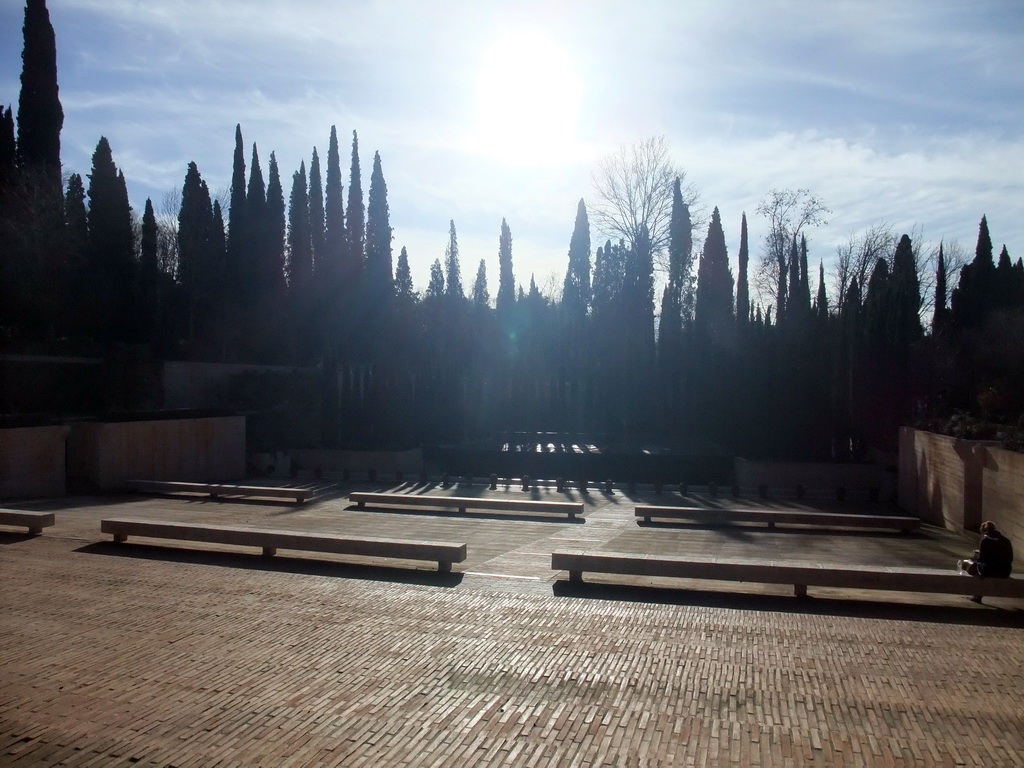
(995, 555)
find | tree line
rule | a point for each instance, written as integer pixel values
(758, 362)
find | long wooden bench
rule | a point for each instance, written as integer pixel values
(462, 503)
(443, 553)
(800, 574)
(221, 490)
(34, 521)
(773, 517)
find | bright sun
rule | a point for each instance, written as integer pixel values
(528, 99)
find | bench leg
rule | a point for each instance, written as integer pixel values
(576, 576)
(443, 566)
(269, 551)
(35, 531)
(800, 590)
(360, 505)
(120, 537)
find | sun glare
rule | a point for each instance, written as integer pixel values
(528, 100)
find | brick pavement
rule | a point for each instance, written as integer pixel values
(188, 655)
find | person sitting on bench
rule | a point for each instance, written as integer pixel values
(992, 559)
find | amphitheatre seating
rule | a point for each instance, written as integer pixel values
(34, 521)
(443, 553)
(800, 574)
(220, 490)
(773, 517)
(462, 503)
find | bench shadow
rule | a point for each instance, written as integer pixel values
(258, 501)
(278, 563)
(786, 529)
(812, 605)
(476, 515)
(14, 537)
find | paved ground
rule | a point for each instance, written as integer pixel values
(184, 655)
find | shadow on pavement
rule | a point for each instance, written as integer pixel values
(278, 563)
(970, 615)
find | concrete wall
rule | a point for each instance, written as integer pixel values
(105, 454)
(814, 476)
(957, 484)
(32, 461)
(1002, 482)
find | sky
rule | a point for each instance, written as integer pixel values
(906, 113)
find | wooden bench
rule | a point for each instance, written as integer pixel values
(34, 521)
(443, 553)
(462, 503)
(800, 574)
(220, 490)
(773, 517)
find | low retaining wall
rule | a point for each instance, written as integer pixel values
(865, 478)
(386, 463)
(32, 461)
(104, 455)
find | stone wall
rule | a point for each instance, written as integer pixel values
(102, 455)
(32, 461)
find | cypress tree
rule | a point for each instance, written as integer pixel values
(876, 306)
(905, 299)
(238, 239)
(714, 310)
(316, 211)
(972, 298)
(576, 288)
(255, 229)
(40, 115)
(76, 275)
(453, 272)
(300, 244)
(149, 273)
(111, 246)
(8, 149)
(379, 270)
(506, 279)
(793, 307)
(334, 216)
(677, 298)
(195, 233)
(481, 298)
(275, 233)
(403, 277)
(76, 218)
(805, 286)
(435, 288)
(1004, 282)
(821, 302)
(742, 287)
(940, 317)
(355, 214)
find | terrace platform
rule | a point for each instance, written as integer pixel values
(151, 655)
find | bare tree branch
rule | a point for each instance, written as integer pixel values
(633, 189)
(789, 212)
